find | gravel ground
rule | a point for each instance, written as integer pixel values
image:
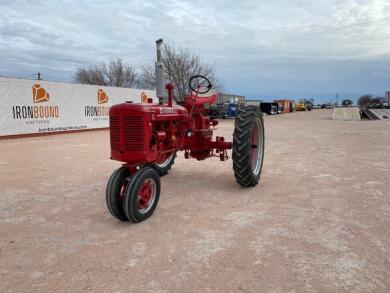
(319, 221)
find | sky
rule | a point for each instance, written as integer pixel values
(261, 49)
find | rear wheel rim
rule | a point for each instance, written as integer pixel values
(256, 151)
(166, 162)
(146, 196)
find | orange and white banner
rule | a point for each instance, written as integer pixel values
(37, 106)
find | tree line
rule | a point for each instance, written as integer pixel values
(369, 99)
(179, 64)
(363, 101)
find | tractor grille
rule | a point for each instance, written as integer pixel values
(134, 133)
(130, 132)
(115, 133)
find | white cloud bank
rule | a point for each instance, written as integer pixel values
(261, 48)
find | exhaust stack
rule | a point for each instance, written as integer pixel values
(159, 71)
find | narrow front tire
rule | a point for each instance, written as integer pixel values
(115, 192)
(142, 195)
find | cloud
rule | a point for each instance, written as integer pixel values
(378, 73)
(301, 46)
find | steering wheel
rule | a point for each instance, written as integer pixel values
(200, 84)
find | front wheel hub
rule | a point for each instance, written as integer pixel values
(146, 196)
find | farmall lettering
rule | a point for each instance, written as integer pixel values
(168, 111)
(146, 138)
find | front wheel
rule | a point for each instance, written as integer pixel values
(115, 192)
(248, 146)
(142, 195)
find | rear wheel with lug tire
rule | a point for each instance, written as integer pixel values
(248, 146)
(142, 195)
(164, 163)
(115, 192)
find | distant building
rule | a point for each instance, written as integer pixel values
(387, 97)
(224, 98)
(223, 103)
(253, 103)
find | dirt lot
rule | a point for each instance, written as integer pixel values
(319, 221)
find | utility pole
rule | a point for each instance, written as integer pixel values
(337, 96)
(38, 75)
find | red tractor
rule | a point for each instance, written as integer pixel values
(146, 137)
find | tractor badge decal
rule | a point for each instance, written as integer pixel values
(39, 94)
(102, 97)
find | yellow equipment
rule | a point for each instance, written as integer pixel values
(304, 105)
(300, 106)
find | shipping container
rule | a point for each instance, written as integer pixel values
(287, 105)
(269, 108)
